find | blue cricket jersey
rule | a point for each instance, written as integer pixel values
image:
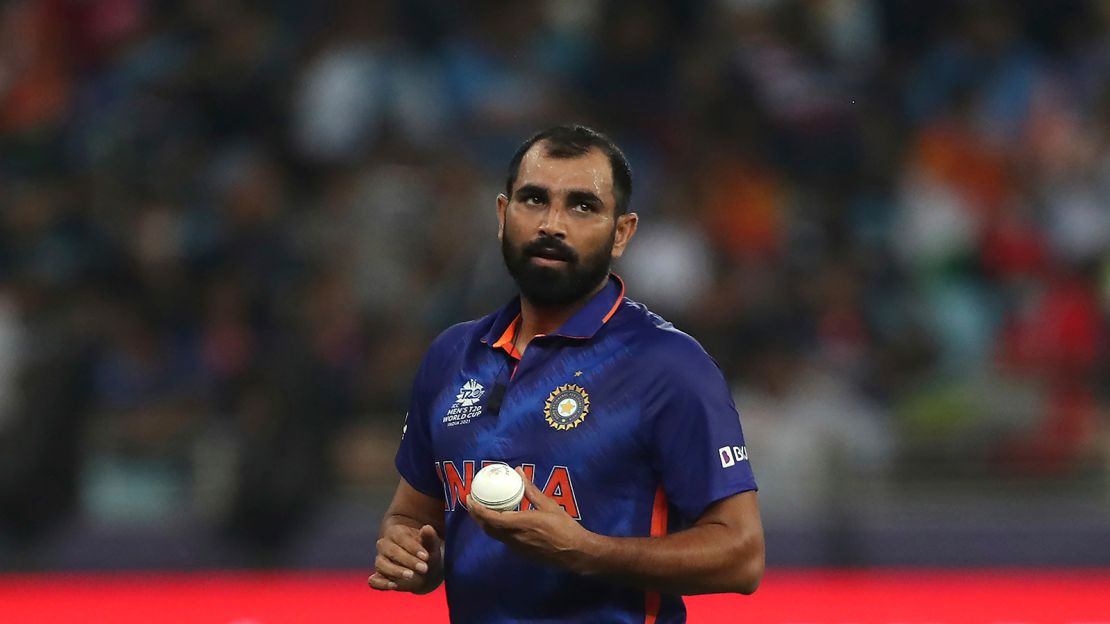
(618, 416)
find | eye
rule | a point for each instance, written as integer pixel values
(533, 200)
(585, 207)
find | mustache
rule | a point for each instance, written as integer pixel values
(550, 248)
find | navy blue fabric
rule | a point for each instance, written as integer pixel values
(659, 414)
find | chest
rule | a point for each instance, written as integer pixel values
(559, 406)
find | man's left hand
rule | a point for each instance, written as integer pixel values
(547, 532)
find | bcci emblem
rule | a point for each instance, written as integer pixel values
(566, 407)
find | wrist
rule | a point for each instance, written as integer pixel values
(590, 553)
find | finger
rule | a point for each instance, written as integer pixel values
(403, 556)
(405, 537)
(487, 518)
(477, 510)
(538, 499)
(429, 539)
(381, 583)
(392, 570)
(386, 582)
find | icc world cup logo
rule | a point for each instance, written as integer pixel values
(469, 394)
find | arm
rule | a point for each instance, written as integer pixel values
(722, 552)
(410, 557)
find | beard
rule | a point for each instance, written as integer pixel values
(553, 287)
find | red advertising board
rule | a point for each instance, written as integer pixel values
(1022, 596)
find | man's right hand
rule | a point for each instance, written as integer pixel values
(408, 560)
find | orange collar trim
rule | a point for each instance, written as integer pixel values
(583, 325)
(508, 337)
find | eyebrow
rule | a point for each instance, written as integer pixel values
(584, 197)
(529, 190)
(574, 197)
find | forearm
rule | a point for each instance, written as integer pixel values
(407, 523)
(395, 518)
(403, 512)
(703, 559)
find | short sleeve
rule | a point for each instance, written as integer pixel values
(415, 459)
(697, 441)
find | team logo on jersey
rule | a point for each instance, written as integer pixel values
(466, 406)
(566, 407)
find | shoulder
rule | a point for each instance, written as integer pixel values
(451, 343)
(456, 337)
(680, 380)
(657, 339)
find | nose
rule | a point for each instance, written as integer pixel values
(553, 223)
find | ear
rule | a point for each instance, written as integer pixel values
(502, 206)
(626, 228)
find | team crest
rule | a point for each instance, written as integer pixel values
(566, 407)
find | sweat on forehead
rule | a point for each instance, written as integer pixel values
(570, 142)
(590, 162)
(588, 173)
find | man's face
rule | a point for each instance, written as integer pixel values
(558, 230)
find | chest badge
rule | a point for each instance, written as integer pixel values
(566, 406)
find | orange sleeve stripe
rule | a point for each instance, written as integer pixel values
(652, 600)
(652, 603)
(659, 514)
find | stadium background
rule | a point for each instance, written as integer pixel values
(229, 229)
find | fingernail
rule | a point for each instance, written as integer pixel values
(407, 574)
(423, 555)
(392, 585)
(421, 567)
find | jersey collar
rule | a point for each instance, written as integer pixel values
(583, 325)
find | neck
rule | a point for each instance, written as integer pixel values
(535, 320)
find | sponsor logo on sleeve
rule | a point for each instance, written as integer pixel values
(726, 456)
(731, 454)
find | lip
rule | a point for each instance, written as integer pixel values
(548, 262)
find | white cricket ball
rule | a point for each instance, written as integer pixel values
(498, 487)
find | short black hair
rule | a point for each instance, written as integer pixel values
(571, 141)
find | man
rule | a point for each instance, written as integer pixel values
(638, 484)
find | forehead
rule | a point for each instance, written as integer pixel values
(589, 172)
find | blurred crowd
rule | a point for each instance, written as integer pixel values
(229, 229)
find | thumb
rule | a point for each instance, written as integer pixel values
(428, 537)
(538, 499)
